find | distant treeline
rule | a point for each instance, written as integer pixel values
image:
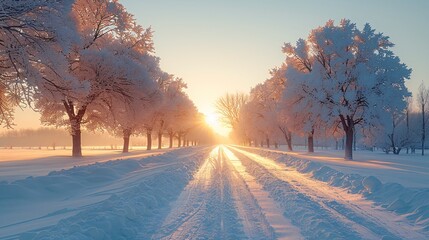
(50, 137)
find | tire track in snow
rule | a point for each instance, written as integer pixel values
(369, 222)
(205, 209)
(261, 216)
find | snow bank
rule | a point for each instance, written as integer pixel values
(66, 182)
(410, 202)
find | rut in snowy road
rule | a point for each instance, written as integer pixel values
(216, 204)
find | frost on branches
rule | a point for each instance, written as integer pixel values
(347, 77)
(28, 28)
(259, 120)
(87, 63)
(109, 62)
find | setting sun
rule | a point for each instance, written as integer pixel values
(211, 119)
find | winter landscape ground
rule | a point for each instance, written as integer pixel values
(216, 192)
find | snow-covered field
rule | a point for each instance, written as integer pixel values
(219, 192)
(20, 163)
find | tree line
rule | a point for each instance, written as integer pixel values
(87, 63)
(342, 82)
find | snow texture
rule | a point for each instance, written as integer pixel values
(122, 199)
(409, 202)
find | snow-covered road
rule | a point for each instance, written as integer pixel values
(221, 192)
(219, 203)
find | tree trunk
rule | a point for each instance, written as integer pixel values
(349, 144)
(159, 140)
(408, 128)
(171, 135)
(126, 146)
(276, 145)
(354, 140)
(423, 129)
(397, 150)
(348, 126)
(75, 120)
(262, 143)
(149, 140)
(179, 140)
(77, 143)
(268, 143)
(288, 137)
(310, 141)
(392, 136)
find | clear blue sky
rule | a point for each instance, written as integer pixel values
(227, 46)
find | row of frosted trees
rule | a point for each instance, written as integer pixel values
(87, 63)
(340, 82)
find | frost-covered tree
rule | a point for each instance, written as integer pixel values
(285, 118)
(186, 118)
(27, 30)
(251, 125)
(304, 112)
(349, 76)
(164, 82)
(423, 100)
(122, 116)
(97, 63)
(173, 97)
(259, 115)
(393, 137)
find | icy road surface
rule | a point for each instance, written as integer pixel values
(220, 192)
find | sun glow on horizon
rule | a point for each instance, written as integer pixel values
(212, 120)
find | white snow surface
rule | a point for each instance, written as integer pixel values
(21, 163)
(222, 192)
(108, 200)
(408, 202)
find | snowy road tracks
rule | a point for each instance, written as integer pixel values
(223, 201)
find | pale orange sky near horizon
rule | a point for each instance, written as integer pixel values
(228, 46)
